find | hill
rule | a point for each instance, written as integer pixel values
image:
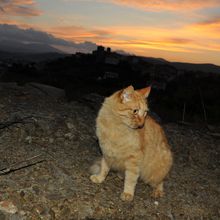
(206, 67)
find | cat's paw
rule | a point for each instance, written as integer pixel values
(127, 197)
(157, 194)
(96, 179)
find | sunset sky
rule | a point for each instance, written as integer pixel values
(177, 30)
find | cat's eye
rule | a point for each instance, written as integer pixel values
(135, 111)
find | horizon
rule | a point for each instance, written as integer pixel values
(182, 31)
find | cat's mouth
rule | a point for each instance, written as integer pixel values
(137, 126)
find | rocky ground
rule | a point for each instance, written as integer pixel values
(48, 144)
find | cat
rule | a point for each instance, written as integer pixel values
(132, 142)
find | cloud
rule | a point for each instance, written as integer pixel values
(187, 39)
(208, 30)
(12, 32)
(26, 8)
(79, 33)
(140, 39)
(180, 40)
(30, 36)
(162, 45)
(170, 5)
(215, 21)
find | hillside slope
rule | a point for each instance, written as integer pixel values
(49, 144)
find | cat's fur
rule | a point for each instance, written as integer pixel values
(132, 142)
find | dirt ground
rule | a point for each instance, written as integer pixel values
(48, 144)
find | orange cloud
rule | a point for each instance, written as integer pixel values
(189, 39)
(212, 21)
(79, 34)
(158, 5)
(126, 38)
(25, 8)
(209, 27)
(207, 31)
(145, 45)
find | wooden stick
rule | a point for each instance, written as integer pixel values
(203, 105)
(184, 111)
(21, 165)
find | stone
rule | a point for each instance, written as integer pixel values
(69, 125)
(51, 140)
(8, 206)
(28, 139)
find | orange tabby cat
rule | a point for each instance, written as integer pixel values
(132, 142)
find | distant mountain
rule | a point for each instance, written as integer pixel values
(206, 67)
(203, 67)
(155, 60)
(30, 57)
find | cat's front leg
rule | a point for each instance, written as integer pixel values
(104, 169)
(131, 177)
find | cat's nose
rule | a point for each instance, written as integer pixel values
(141, 126)
(140, 122)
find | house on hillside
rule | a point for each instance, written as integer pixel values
(99, 54)
(106, 56)
(164, 73)
(112, 60)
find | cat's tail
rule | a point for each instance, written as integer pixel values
(95, 168)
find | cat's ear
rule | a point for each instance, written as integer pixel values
(126, 94)
(145, 91)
